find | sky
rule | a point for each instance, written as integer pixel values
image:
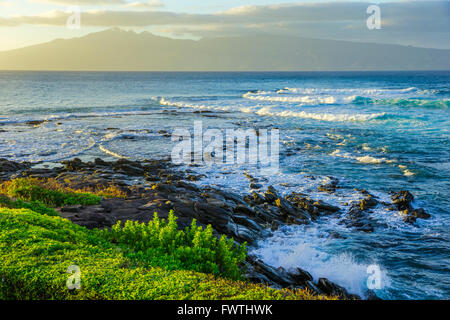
(417, 23)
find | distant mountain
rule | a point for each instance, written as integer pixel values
(119, 50)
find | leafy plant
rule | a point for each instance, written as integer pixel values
(161, 244)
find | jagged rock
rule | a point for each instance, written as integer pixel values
(371, 295)
(274, 276)
(322, 206)
(255, 186)
(271, 195)
(301, 277)
(7, 166)
(330, 288)
(409, 219)
(402, 200)
(240, 208)
(330, 186)
(368, 202)
(419, 213)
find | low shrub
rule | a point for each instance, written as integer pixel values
(161, 244)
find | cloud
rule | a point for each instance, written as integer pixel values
(81, 2)
(423, 23)
(5, 3)
(145, 5)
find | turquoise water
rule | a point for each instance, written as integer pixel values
(377, 131)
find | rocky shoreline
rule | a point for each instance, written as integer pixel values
(158, 186)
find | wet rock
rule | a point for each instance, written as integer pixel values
(330, 186)
(403, 203)
(100, 162)
(402, 200)
(255, 186)
(35, 123)
(254, 199)
(368, 203)
(419, 213)
(271, 195)
(409, 219)
(301, 277)
(240, 208)
(312, 287)
(371, 295)
(262, 272)
(325, 207)
(332, 289)
(74, 165)
(9, 168)
(357, 218)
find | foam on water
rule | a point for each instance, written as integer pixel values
(310, 248)
(320, 116)
(363, 159)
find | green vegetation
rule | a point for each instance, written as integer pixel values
(35, 206)
(31, 189)
(161, 244)
(36, 251)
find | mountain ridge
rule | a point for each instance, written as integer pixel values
(120, 50)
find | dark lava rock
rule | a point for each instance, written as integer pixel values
(402, 200)
(255, 186)
(333, 289)
(419, 213)
(9, 168)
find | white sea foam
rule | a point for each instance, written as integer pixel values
(267, 111)
(352, 91)
(182, 104)
(311, 249)
(270, 111)
(303, 100)
(112, 153)
(363, 159)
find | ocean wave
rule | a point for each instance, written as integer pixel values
(304, 100)
(406, 102)
(311, 249)
(321, 116)
(409, 97)
(180, 104)
(363, 159)
(351, 91)
(111, 153)
(268, 111)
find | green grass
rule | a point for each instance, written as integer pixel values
(36, 251)
(31, 189)
(35, 206)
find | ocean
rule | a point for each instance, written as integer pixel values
(378, 131)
